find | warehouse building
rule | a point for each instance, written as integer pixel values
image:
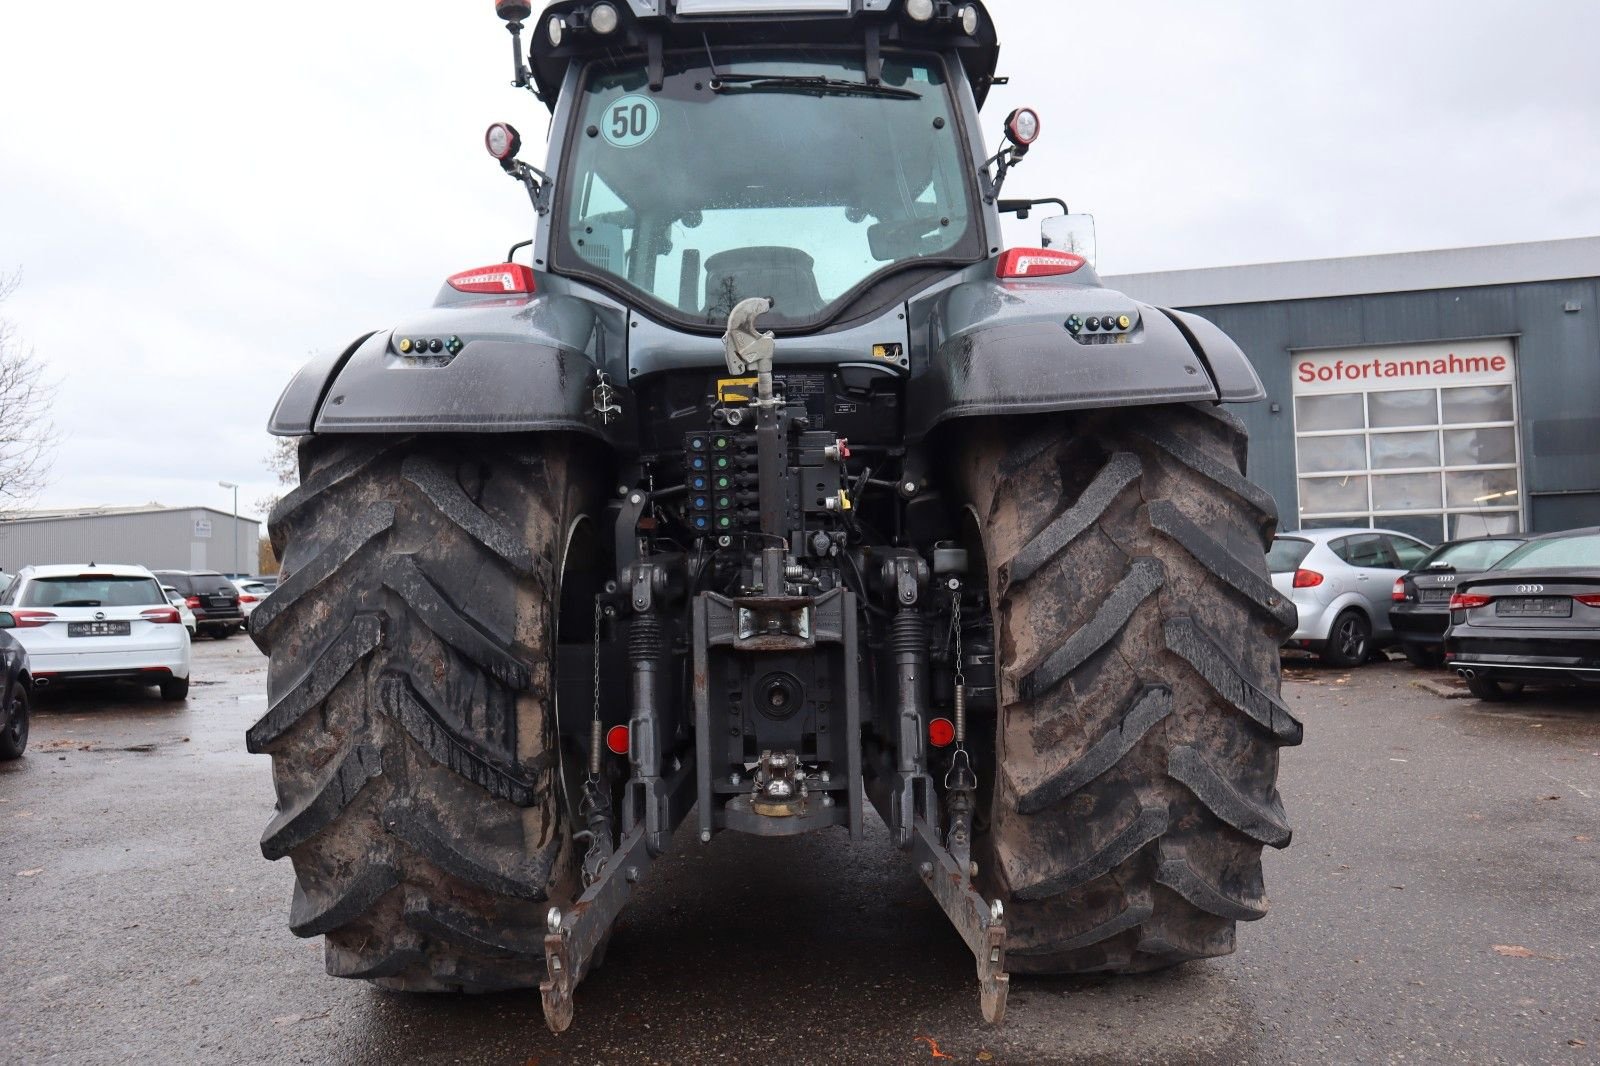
(161, 538)
(1441, 393)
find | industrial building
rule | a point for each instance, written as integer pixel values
(161, 538)
(1439, 393)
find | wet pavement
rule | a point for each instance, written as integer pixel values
(1440, 903)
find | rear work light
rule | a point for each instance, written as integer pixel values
(161, 615)
(1399, 593)
(1307, 579)
(1464, 601)
(1024, 263)
(32, 619)
(1588, 601)
(496, 280)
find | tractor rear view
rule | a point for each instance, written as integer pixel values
(761, 487)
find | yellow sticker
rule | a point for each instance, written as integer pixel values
(736, 390)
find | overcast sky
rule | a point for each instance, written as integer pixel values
(200, 196)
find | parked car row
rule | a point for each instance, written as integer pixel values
(1502, 610)
(64, 624)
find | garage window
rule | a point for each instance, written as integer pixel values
(1422, 439)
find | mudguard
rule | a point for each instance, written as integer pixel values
(1005, 348)
(518, 365)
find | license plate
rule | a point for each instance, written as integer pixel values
(1534, 607)
(97, 629)
(1433, 595)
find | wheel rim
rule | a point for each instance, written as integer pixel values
(1352, 642)
(19, 721)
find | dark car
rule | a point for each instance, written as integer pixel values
(1534, 618)
(213, 599)
(1421, 610)
(16, 693)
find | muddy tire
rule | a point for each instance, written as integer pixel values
(411, 704)
(1139, 721)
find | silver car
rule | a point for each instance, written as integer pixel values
(1341, 582)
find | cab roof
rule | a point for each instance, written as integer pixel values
(646, 28)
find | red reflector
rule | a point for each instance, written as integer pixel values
(1463, 601)
(161, 615)
(1588, 601)
(617, 739)
(1307, 579)
(495, 280)
(1399, 592)
(1036, 263)
(941, 732)
(32, 619)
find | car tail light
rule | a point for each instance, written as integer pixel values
(1465, 601)
(1307, 579)
(495, 280)
(161, 615)
(1024, 263)
(192, 602)
(245, 597)
(941, 732)
(32, 619)
(1399, 593)
(1588, 601)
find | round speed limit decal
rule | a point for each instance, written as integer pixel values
(630, 121)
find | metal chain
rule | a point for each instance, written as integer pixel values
(961, 677)
(594, 725)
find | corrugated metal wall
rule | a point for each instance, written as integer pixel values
(1558, 376)
(164, 540)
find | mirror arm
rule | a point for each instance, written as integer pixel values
(1023, 208)
(524, 79)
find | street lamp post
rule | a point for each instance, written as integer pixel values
(235, 488)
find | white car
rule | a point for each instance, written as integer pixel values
(99, 623)
(185, 615)
(251, 593)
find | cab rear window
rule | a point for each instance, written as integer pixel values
(1286, 554)
(91, 590)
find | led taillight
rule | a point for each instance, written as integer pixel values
(192, 602)
(1399, 593)
(161, 615)
(245, 597)
(499, 280)
(32, 619)
(617, 739)
(941, 732)
(1020, 264)
(1588, 601)
(1465, 601)
(1307, 579)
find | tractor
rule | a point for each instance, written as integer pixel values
(764, 489)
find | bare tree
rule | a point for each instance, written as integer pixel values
(283, 461)
(27, 439)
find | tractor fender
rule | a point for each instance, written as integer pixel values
(1005, 348)
(528, 364)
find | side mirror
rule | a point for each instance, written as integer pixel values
(1069, 233)
(7, 620)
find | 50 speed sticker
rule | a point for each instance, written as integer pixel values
(631, 121)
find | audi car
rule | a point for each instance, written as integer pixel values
(1339, 581)
(1421, 610)
(98, 623)
(213, 599)
(1533, 619)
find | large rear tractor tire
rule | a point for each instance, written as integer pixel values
(1139, 721)
(411, 698)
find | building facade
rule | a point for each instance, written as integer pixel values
(1438, 393)
(160, 538)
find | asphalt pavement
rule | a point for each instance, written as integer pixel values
(1440, 903)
